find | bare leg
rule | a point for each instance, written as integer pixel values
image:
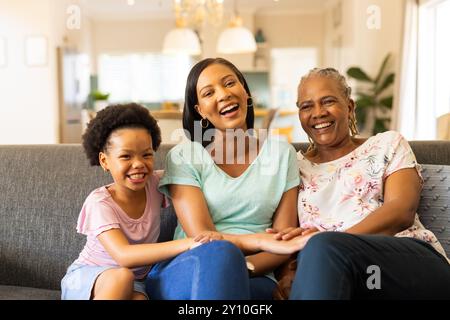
(114, 284)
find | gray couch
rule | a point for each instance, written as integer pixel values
(43, 187)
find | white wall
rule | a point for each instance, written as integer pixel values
(29, 112)
(376, 43)
(301, 30)
(29, 102)
(357, 45)
(130, 36)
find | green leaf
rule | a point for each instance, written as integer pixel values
(381, 71)
(387, 102)
(363, 95)
(380, 126)
(365, 102)
(358, 74)
(361, 114)
(97, 95)
(387, 82)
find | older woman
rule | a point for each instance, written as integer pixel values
(366, 191)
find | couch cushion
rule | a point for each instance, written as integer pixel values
(434, 206)
(25, 293)
(168, 224)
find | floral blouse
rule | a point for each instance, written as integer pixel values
(338, 194)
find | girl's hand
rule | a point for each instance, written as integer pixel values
(194, 244)
(208, 236)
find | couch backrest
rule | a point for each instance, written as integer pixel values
(427, 152)
(43, 188)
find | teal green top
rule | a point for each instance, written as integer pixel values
(241, 205)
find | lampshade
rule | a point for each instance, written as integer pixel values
(182, 40)
(236, 39)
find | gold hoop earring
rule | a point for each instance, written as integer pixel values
(204, 126)
(250, 102)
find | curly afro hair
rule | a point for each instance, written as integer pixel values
(115, 117)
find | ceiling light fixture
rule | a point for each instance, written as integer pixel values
(193, 13)
(182, 40)
(235, 38)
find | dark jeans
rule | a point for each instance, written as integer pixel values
(335, 265)
(212, 271)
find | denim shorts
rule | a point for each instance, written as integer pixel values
(79, 281)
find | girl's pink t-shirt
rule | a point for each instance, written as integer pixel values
(101, 213)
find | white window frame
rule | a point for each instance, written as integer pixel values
(430, 68)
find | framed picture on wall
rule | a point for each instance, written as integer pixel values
(36, 51)
(3, 52)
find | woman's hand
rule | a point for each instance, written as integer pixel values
(281, 245)
(208, 236)
(192, 244)
(290, 233)
(267, 242)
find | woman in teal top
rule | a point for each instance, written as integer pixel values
(226, 184)
(237, 205)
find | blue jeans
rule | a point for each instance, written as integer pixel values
(212, 271)
(335, 265)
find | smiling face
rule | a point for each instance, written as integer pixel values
(324, 111)
(129, 158)
(222, 98)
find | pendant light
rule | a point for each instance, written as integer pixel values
(235, 38)
(181, 40)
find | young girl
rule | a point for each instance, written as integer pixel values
(121, 220)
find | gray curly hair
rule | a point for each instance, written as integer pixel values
(330, 73)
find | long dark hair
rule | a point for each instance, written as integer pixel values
(190, 115)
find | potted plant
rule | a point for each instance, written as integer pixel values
(374, 105)
(99, 99)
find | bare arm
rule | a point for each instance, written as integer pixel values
(191, 208)
(285, 217)
(401, 199)
(136, 255)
